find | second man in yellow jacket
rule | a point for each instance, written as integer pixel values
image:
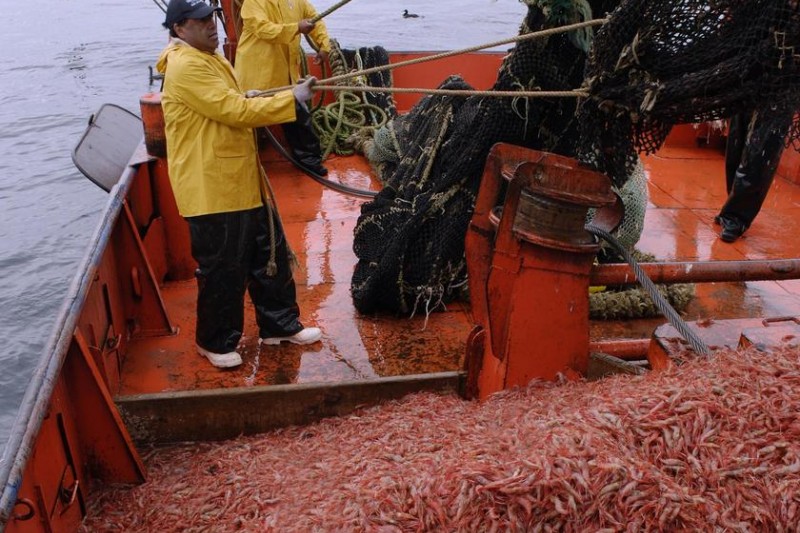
(269, 55)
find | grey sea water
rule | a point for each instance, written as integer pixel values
(62, 61)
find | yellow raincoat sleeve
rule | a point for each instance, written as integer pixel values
(257, 19)
(203, 90)
(320, 32)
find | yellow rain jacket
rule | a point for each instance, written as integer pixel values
(268, 53)
(211, 150)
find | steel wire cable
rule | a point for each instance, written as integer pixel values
(661, 303)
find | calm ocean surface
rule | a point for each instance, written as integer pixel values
(54, 75)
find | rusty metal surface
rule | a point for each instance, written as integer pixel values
(699, 271)
(319, 226)
(220, 414)
(319, 223)
(625, 349)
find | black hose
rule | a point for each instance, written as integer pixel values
(338, 187)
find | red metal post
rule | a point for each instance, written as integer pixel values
(529, 279)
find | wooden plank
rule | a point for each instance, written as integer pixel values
(227, 413)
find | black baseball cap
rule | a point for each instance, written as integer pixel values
(179, 10)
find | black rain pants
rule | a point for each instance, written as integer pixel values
(232, 251)
(752, 154)
(301, 138)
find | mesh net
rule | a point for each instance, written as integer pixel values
(365, 58)
(656, 63)
(660, 63)
(410, 239)
(339, 123)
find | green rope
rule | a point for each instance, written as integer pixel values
(337, 123)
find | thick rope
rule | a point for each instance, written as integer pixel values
(381, 68)
(666, 309)
(268, 198)
(452, 92)
(337, 122)
(329, 11)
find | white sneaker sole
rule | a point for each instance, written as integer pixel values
(274, 341)
(225, 364)
(220, 360)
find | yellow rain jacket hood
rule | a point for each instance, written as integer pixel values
(211, 149)
(268, 53)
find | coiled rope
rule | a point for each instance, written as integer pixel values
(336, 122)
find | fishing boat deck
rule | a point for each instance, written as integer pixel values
(319, 225)
(686, 188)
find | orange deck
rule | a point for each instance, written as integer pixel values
(686, 184)
(319, 226)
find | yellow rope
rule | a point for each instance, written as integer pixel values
(453, 92)
(381, 68)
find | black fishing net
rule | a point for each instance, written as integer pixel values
(362, 59)
(658, 63)
(410, 240)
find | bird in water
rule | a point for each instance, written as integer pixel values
(407, 15)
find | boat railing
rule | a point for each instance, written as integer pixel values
(38, 394)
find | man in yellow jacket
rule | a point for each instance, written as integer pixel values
(216, 177)
(268, 56)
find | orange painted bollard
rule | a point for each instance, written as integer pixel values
(155, 138)
(529, 264)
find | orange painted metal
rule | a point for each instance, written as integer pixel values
(104, 437)
(529, 279)
(625, 349)
(153, 120)
(39, 506)
(147, 311)
(699, 271)
(82, 441)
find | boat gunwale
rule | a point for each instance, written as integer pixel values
(38, 393)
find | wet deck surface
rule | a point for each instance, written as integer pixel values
(687, 187)
(319, 226)
(686, 190)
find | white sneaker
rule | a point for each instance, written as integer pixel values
(221, 360)
(304, 336)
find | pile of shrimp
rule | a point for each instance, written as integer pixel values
(711, 445)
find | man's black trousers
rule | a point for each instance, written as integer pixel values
(232, 251)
